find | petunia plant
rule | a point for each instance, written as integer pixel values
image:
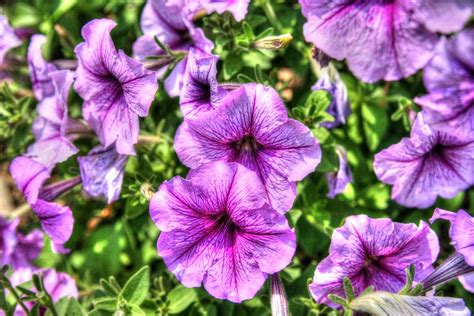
(236, 157)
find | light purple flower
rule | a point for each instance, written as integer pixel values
(116, 89)
(102, 172)
(201, 91)
(238, 8)
(56, 220)
(171, 24)
(53, 128)
(8, 38)
(374, 252)
(40, 69)
(251, 127)
(17, 249)
(338, 181)
(449, 79)
(339, 108)
(386, 40)
(217, 229)
(428, 164)
(462, 238)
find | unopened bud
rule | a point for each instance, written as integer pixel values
(273, 42)
(147, 191)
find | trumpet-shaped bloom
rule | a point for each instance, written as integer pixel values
(339, 108)
(17, 249)
(399, 36)
(338, 181)
(462, 238)
(428, 164)
(53, 128)
(217, 229)
(449, 79)
(102, 172)
(251, 127)
(56, 220)
(201, 91)
(374, 252)
(116, 89)
(171, 23)
(8, 38)
(40, 69)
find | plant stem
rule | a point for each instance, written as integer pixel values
(12, 290)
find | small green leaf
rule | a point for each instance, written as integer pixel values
(108, 304)
(68, 306)
(136, 288)
(348, 288)
(232, 65)
(338, 300)
(180, 298)
(375, 123)
(248, 31)
(368, 290)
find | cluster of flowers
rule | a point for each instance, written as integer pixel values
(223, 226)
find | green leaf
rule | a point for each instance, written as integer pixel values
(63, 7)
(375, 124)
(348, 288)
(232, 65)
(329, 160)
(108, 304)
(180, 298)
(318, 101)
(338, 300)
(25, 15)
(136, 288)
(248, 31)
(68, 306)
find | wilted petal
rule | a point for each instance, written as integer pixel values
(428, 164)
(40, 68)
(384, 303)
(116, 89)
(29, 177)
(338, 181)
(8, 39)
(218, 230)
(251, 126)
(200, 91)
(102, 172)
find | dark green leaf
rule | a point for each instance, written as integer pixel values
(136, 288)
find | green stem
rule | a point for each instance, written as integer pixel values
(10, 287)
(270, 13)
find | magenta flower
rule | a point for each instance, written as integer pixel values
(56, 220)
(217, 229)
(116, 89)
(16, 249)
(40, 69)
(399, 36)
(53, 128)
(338, 181)
(428, 164)
(8, 38)
(102, 172)
(251, 127)
(374, 252)
(339, 108)
(172, 24)
(462, 238)
(449, 79)
(201, 91)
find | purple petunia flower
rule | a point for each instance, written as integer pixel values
(462, 238)
(53, 128)
(116, 89)
(16, 249)
(201, 91)
(338, 181)
(56, 220)
(428, 164)
(386, 40)
(374, 252)
(217, 229)
(449, 79)
(339, 108)
(251, 127)
(173, 27)
(8, 38)
(102, 172)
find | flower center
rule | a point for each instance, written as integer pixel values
(224, 221)
(247, 144)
